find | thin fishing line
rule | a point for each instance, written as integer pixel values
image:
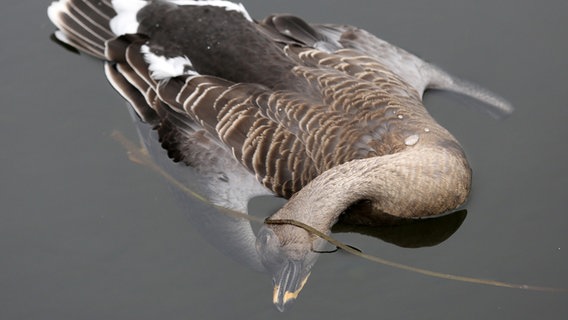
(141, 156)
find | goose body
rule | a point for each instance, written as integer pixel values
(325, 115)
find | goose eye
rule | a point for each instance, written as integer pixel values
(265, 238)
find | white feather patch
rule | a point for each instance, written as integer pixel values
(61, 36)
(125, 20)
(228, 5)
(55, 9)
(54, 12)
(162, 68)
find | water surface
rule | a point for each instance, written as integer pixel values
(87, 234)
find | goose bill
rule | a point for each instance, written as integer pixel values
(289, 283)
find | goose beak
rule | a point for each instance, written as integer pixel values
(288, 283)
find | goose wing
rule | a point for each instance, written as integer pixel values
(418, 73)
(323, 109)
(279, 101)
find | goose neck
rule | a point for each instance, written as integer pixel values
(417, 182)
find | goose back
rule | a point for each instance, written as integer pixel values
(285, 99)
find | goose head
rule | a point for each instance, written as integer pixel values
(288, 254)
(417, 182)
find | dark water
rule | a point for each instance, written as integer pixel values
(87, 234)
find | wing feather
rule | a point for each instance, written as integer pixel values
(327, 95)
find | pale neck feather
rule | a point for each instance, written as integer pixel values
(418, 182)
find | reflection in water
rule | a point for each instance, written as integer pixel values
(410, 233)
(231, 231)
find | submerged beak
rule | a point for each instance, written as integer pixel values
(289, 283)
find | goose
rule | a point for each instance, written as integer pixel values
(324, 115)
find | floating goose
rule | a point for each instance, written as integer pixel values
(325, 115)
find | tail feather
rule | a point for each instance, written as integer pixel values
(128, 74)
(82, 24)
(130, 93)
